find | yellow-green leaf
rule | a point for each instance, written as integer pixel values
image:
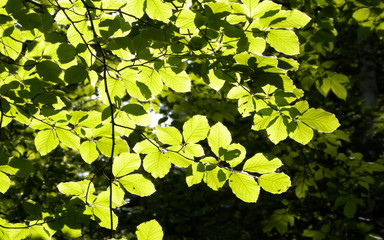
(275, 182)
(125, 163)
(320, 120)
(284, 41)
(150, 230)
(88, 151)
(244, 187)
(68, 138)
(195, 129)
(169, 135)
(260, 164)
(5, 182)
(157, 164)
(46, 141)
(137, 184)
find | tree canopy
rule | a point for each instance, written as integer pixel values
(273, 105)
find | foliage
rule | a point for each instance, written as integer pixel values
(80, 81)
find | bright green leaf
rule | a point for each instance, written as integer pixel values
(179, 82)
(244, 187)
(88, 151)
(169, 135)
(284, 41)
(275, 182)
(46, 141)
(137, 184)
(150, 230)
(195, 129)
(5, 182)
(320, 120)
(260, 164)
(219, 138)
(157, 164)
(278, 130)
(302, 133)
(68, 138)
(125, 163)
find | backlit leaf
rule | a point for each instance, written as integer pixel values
(284, 41)
(219, 138)
(320, 120)
(275, 182)
(88, 151)
(125, 163)
(46, 141)
(244, 187)
(260, 164)
(195, 129)
(157, 164)
(137, 184)
(169, 135)
(5, 182)
(150, 230)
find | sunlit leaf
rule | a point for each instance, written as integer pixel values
(275, 182)
(150, 230)
(137, 184)
(260, 164)
(195, 129)
(125, 163)
(320, 120)
(46, 141)
(244, 187)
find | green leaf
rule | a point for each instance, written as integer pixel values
(262, 122)
(76, 188)
(10, 46)
(260, 164)
(125, 163)
(234, 154)
(294, 19)
(195, 129)
(146, 147)
(185, 20)
(179, 82)
(103, 217)
(361, 14)
(5, 182)
(105, 146)
(215, 177)
(251, 6)
(135, 7)
(150, 230)
(302, 133)
(157, 164)
(159, 10)
(320, 120)
(179, 157)
(276, 183)
(103, 199)
(195, 173)
(88, 151)
(278, 130)
(137, 114)
(137, 184)
(244, 187)
(75, 74)
(215, 79)
(169, 135)
(284, 41)
(46, 141)
(219, 138)
(68, 138)
(256, 44)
